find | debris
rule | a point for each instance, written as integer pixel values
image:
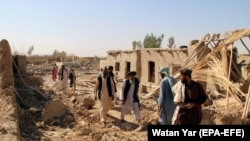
(97, 137)
(53, 108)
(95, 117)
(86, 131)
(107, 138)
(88, 102)
(68, 119)
(73, 99)
(69, 91)
(83, 112)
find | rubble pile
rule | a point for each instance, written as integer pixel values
(35, 108)
(9, 122)
(32, 81)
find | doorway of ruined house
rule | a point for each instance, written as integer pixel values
(151, 71)
(127, 69)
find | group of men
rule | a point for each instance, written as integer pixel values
(105, 91)
(179, 103)
(64, 75)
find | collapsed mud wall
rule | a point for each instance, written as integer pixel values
(9, 123)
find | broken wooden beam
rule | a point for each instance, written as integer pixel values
(41, 94)
(246, 108)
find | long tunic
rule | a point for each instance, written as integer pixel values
(54, 73)
(194, 93)
(64, 79)
(165, 100)
(129, 103)
(105, 100)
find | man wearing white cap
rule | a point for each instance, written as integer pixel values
(165, 100)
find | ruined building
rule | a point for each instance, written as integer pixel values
(148, 61)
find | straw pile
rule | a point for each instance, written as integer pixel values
(217, 65)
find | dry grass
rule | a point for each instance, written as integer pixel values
(215, 65)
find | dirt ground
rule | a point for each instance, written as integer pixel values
(78, 114)
(79, 122)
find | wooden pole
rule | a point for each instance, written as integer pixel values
(245, 45)
(246, 107)
(229, 73)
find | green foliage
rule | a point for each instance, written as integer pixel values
(38, 59)
(136, 45)
(151, 41)
(30, 50)
(57, 54)
(171, 42)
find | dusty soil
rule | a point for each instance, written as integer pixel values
(81, 119)
(76, 115)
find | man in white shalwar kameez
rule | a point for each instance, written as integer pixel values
(104, 89)
(129, 97)
(64, 78)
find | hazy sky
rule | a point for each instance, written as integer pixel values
(91, 27)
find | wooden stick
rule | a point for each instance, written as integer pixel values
(42, 94)
(18, 95)
(229, 73)
(245, 45)
(248, 104)
(246, 107)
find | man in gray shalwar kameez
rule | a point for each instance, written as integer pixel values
(165, 100)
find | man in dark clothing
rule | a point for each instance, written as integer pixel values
(72, 77)
(111, 74)
(104, 89)
(193, 96)
(129, 97)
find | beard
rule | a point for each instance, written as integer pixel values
(184, 81)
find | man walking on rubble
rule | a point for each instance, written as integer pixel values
(111, 74)
(104, 90)
(54, 72)
(72, 78)
(64, 78)
(166, 97)
(189, 96)
(129, 96)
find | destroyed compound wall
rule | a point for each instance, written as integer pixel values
(9, 122)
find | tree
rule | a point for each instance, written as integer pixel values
(171, 42)
(136, 45)
(61, 54)
(151, 41)
(56, 53)
(30, 50)
(139, 44)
